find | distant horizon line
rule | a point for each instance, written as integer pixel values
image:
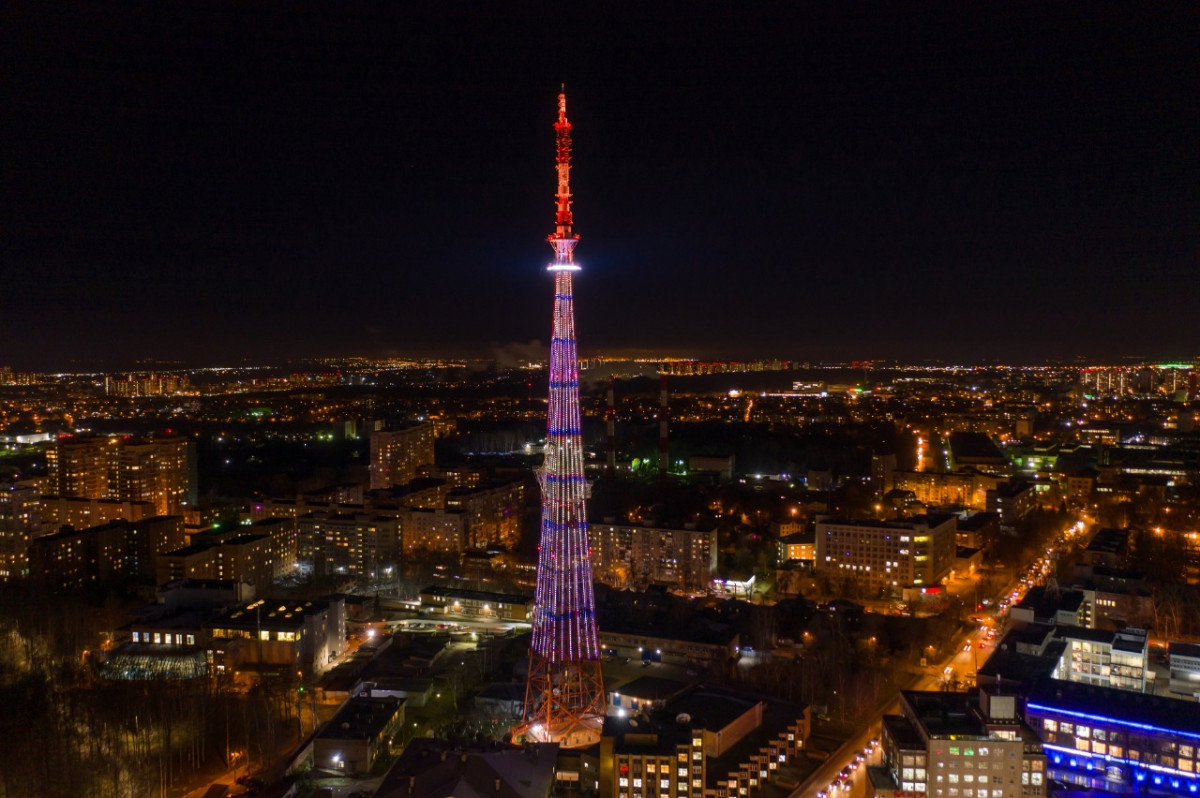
(143, 365)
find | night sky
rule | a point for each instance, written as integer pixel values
(968, 181)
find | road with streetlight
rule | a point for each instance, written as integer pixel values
(836, 777)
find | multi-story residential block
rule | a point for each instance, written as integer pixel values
(440, 531)
(20, 522)
(1081, 485)
(161, 470)
(801, 546)
(1113, 740)
(707, 742)
(116, 551)
(960, 745)
(492, 513)
(459, 477)
(359, 544)
(978, 530)
(1012, 501)
(682, 557)
(427, 493)
(80, 513)
(81, 466)
(195, 561)
(175, 486)
(883, 557)
(397, 453)
(883, 474)
(941, 489)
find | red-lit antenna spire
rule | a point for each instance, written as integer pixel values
(563, 240)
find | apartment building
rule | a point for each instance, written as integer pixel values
(682, 557)
(883, 557)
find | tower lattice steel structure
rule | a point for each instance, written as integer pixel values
(564, 695)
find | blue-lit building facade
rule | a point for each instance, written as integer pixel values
(1103, 738)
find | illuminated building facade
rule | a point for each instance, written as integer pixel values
(80, 513)
(161, 470)
(397, 454)
(272, 633)
(116, 551)
(492, 513)
(81, 467)
(428, 531)
(257, 554)
(564, 697)
(936, 489)
(960, 745)
(20, 522)
(885, 556)
(631, 555)
(705, 742)
(1105, 738)
(359, 544)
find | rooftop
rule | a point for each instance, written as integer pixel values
(188, 551)
(441, 769)
(476, 595)
(246, 538)
(1055, 697)
(1046, 603)
(268, 612)
(1183, 649)
(1110, 541)
(903, 524)
(977, 521)
(361, 719)
(900, 729)
(652, 688)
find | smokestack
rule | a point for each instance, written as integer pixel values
(610, 419)
(663, 417)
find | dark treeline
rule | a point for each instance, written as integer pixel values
(69, 735)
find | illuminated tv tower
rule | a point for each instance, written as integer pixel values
(564, 694)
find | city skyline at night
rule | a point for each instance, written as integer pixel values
(866, 465)
(1009, 184)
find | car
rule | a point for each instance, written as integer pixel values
(967, 647)
(983, 644)
(859, 759)
(822, 794)
(844, 773)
